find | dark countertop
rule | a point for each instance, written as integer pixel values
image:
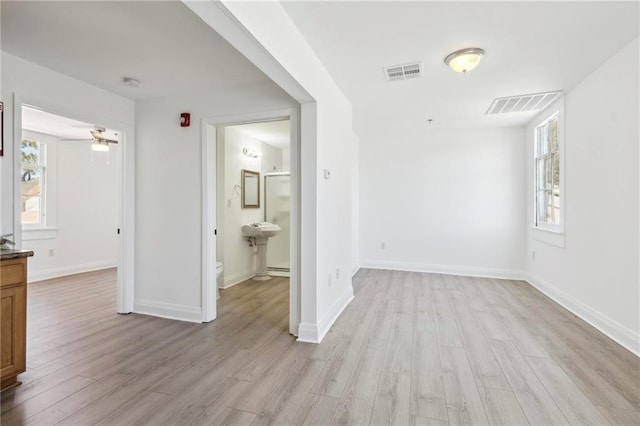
(7, 254)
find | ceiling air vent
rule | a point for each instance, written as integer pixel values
(522, 103)
(403, 72)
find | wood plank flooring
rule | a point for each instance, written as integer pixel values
(411, 349)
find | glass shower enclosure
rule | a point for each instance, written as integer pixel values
(277, 209)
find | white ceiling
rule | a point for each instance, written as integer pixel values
(530, 47)
(161, 43)
(62, 127)
(275, 133)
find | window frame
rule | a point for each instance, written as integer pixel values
(557, 114)
(42, 166)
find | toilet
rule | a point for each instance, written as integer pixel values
(219, 278)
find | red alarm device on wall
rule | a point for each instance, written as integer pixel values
(185, 119)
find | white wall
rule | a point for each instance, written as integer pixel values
(82, 208)
(56, 93)
(594, 272)
(271, 161)
(168, 196)
(240, 259)
(328, 142)
(446, 201)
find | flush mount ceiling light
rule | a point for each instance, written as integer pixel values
(464, 60)
(131, 82)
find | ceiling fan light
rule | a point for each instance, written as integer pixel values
(464, 60)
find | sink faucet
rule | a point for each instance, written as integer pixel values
(4, 240)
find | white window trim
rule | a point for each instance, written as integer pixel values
(40, 233)
(557, 108)
(42, 225)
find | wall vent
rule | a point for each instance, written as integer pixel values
(403, 72)
(522, 103)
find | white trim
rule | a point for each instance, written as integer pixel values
(32, 234)
(209, 214)
(126, 177)
(308, 333)
(556, 108)
(311, 333)
(63, 271)
(355, 271)
(616, 331)
(548, 236)
(468, 271)
(237, 278)
(168, 310)
(209, 255)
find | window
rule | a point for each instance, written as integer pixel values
(547, 175)
(33, 183)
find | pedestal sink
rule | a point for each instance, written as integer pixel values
(260, 232)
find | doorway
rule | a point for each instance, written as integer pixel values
(70, 207)
(223, 192)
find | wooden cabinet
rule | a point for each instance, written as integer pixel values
(13, 320)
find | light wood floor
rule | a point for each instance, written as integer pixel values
(410, 349)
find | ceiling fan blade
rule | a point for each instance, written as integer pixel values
(110, 140)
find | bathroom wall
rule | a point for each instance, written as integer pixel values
(271, 162)
(81, 214)
(239, 258)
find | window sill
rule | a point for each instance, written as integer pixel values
(549, 236)
(44, 233)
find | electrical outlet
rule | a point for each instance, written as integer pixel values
(329, 280)
(337, 273)
(383, 245)
(52, 252)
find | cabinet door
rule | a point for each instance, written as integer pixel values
(13, 330)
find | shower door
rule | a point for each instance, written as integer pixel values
(277, 209)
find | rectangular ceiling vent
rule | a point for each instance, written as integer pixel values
(403, 72)
(522, 103)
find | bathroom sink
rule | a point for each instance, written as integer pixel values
(260, 229)
(258, 234)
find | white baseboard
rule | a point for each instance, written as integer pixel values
(308, 333)
(312, 333)
(47, 274)
(237, 278)
(619, 333)
(468, 271)
(355, 271)
(168, 310)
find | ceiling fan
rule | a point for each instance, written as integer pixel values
(99, 142)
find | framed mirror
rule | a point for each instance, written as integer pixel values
(250, 189)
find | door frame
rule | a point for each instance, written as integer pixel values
(126, 183)
(209, 216)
